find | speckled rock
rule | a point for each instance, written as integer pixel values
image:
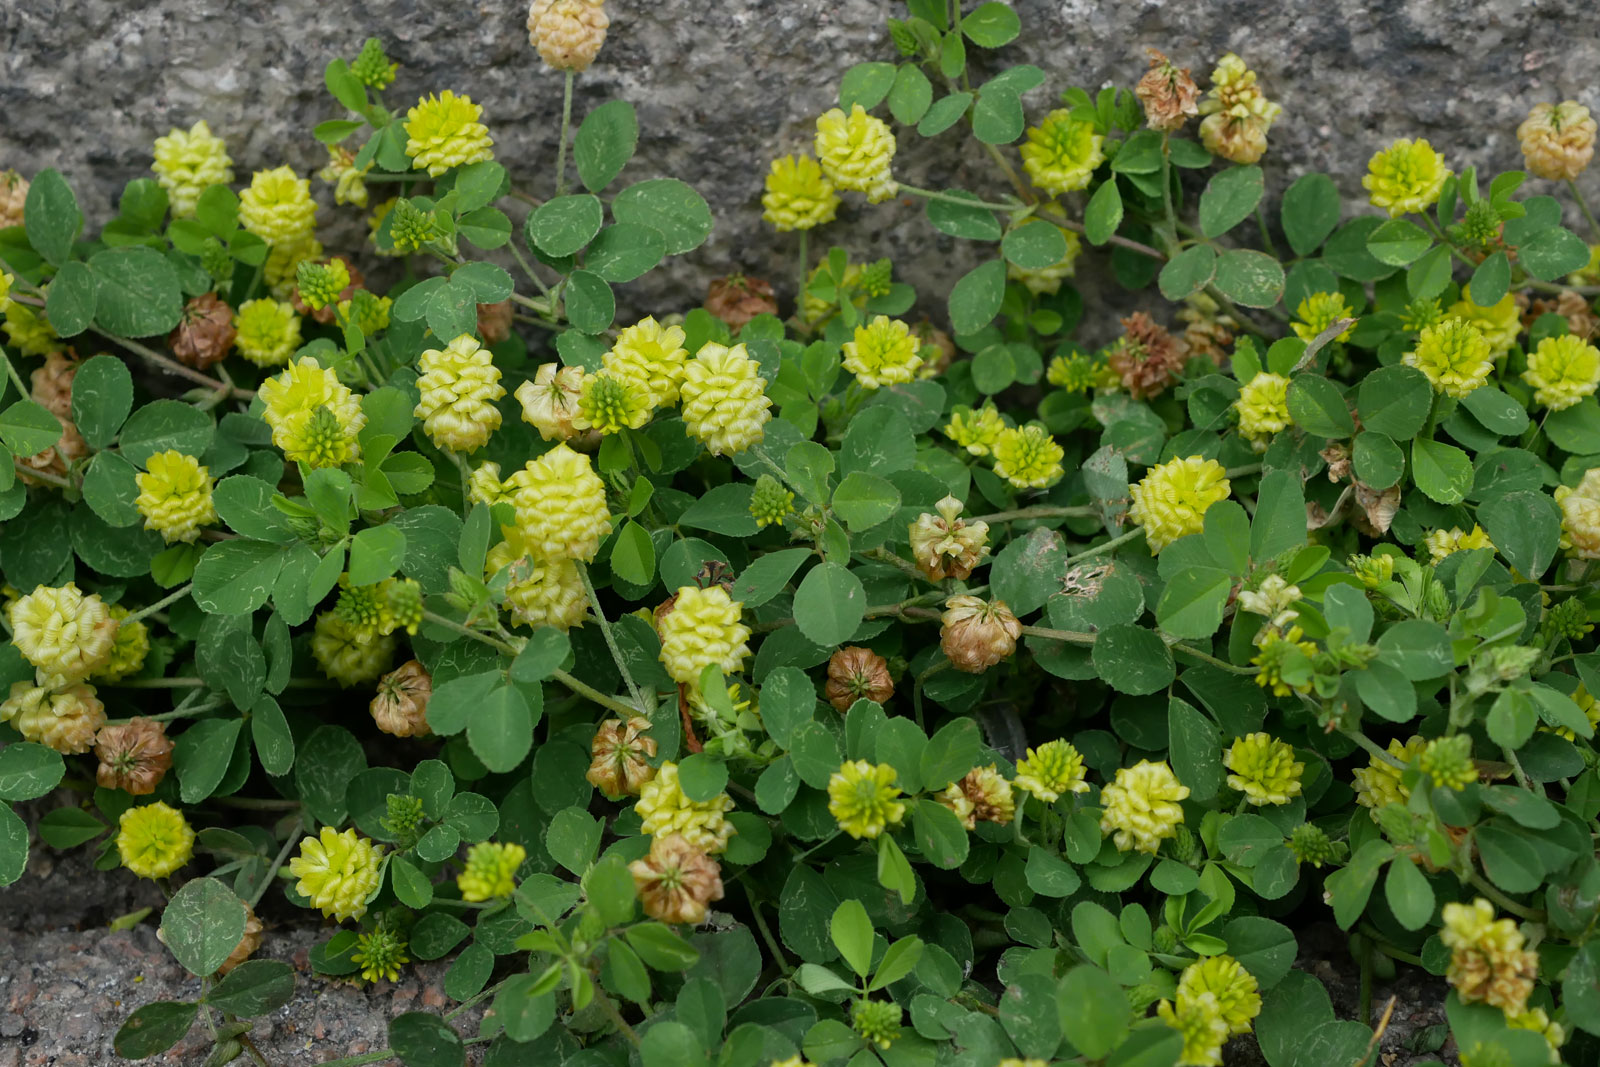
(85, 85)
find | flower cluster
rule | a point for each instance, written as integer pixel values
(1171, 500)
(1141, 806)
(665, 810)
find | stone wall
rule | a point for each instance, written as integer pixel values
(723, 85)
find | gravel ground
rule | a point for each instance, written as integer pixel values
(67, 982)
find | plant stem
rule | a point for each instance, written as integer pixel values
(1583, 206)
(1075, 637)
(23, 392)
(1041, 511)
(43, 476)
(566, 128)
(1502, 901)
(634, 692)
(766, 932)
(1372, 748)
(476, 999)
(1115, 542)
(162, 683)
(1266, 234)
(1206, 657)
(467, 631)
(805, 272)
(171, 598)
(605, 1002)
(964, 201)
(295, 832)
(589, 692)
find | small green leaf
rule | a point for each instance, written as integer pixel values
(1229, 198)
(829, 604)
(605, 142)
(975, 298)
(202, 925)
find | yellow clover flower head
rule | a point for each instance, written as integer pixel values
(128, 649)
(1263, 769)
(1171, 500)
(1563, 370)
(1043, 281)
(29, 331)
(1238, 114)
(485, 487)
(65, 719)
(187, 163)
(567, 33)
(1448, 763)
(175, 496)
(976, 431)
(1028, 457)
(703, 629)
(1538, 1020)
(1061, 153)
(1141, 806)
(348, 180)
(1580, 515)
(1318, 311)
(1237, 992)
(268, 331)
(561, 505)
(799, 196)
(278, 208)
(1488, 959)
(154, 840)
(380, 953)
(64, 633)
(443, 131)
(883, 352)
(540, 592)
(1277, 650)
(856, 152)
(1500, 322)
(653, 356)
(666, 810)
(610, 404)
(372, 67)
(348, 653)
(1378, 783)
(724, 398)
(1263, 407)
(314, 417)
(1050, 770)
(491, 870)
(861, 796)
(459, 385)
(337, 872)
(1407, 176)
(1442, 543)
(1557, 140)
(321, 283)
(770, 502)
(1454, 356)
(1199, 1019)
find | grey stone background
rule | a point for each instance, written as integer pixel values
(722, 86)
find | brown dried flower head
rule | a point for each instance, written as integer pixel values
(1337, 456)
(1582, 322)
(494, 322)
(63, 719)
(401, 704)
(1168, 93)
(247, 944)
(1208, 330)
(205, 333)
(13, 193)
(1557, 140)
(326, 313)
(856, 673)
(984, 795)
(52, 383)
(739, 298)
(945, 545)
(134, 756)
(976, 635)
(676, 881)
(938, 350)
(567, 33)
(620, 753)
(1147, 358)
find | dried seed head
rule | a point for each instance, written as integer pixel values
(134, 756)
(401, 706)
(856, 673)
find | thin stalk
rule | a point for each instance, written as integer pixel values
(634, 691)
(1372, 748)
(561, 152)
(1060, 219)
(1075, 637)
(1243, 472)
(1041, 511)
(1502, 901)
(467, 631)
(1364, 1005)
(1266, 234)
(1115, 542)
(1206, 657)
(295, 833)
(16, 379)
(527, 268)
(1583, 206)
(805, 272)
(766, 932)
(478, 998)
(1170, 233)
(606, 1003)
(43, 476)
(171, 598)
(589, 692)
(161, 683)
(964, 201)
